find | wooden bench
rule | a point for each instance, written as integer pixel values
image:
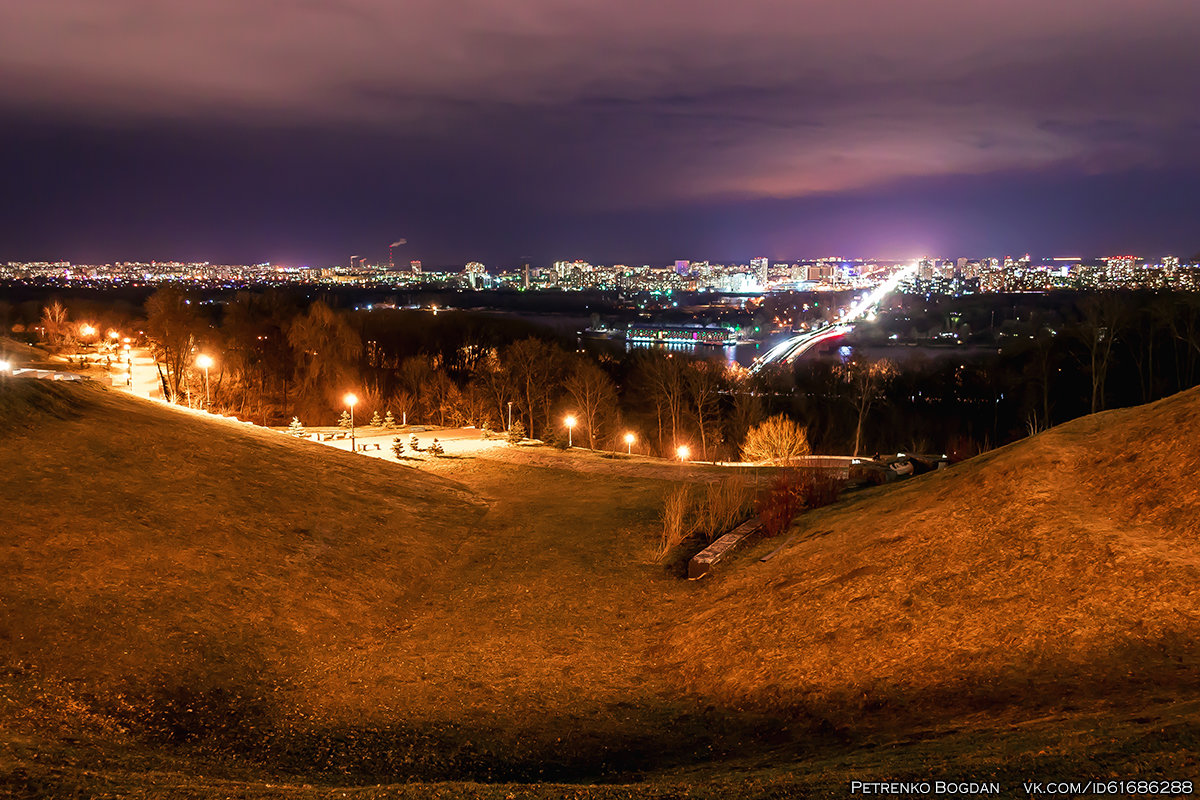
(703, 562)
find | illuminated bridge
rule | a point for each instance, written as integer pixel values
(788, 350)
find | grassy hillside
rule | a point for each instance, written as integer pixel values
(192, 607)
(1065, 565)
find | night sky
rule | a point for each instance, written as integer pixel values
(302, 131)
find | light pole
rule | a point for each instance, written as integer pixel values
(509, 416)
(570, 421)
(204, 361)
(86, 332)
(629, 440)
(350, 401)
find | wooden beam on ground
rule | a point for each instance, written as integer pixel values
(703, 562)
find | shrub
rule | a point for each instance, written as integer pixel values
(414, 443)
(436, 449)
(712, 511)
(793, 491)
(725, 505)
(388, 420)
(398, 447)
(516, 434)
(780, 503)
(676, 520)
(344, 420)
(375, 420)
(776, 439)
(296, 427)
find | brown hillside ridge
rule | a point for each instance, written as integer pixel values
(1068, 563)
(191, 607)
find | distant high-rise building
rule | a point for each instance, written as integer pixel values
(525, 274)
(475, 273)
(414, 266)
(682, 267)
(758, 268)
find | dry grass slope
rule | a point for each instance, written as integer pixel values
(1064, 564)
(185, 597)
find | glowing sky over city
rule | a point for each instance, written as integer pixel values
(617, 130)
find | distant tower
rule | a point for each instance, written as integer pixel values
(392, 252)
(525, 271)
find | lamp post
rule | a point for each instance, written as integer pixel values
(683, 451)
(629, 440)
(204, 361)
(351, 399)
(509, 416)
(86, 332)
(570, 421)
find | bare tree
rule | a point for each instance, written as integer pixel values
(704, 381)
(663, 378)
(866, 380)
(594, 394)
(493, 378)
(536, 370)
(326, 348)
(1103, 317)
(171, 325)
(56, 330)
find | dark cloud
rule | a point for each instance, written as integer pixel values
(488, 116)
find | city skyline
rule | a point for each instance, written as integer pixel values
(299, 133)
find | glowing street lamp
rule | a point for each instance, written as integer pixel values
(683, 452)
(570, 422)
(350, 399)
(5, 367)
(629, 440)
(204, 361)
(86, 330)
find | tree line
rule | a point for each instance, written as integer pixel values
(1047, 359)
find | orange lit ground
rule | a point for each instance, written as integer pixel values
(195, 608)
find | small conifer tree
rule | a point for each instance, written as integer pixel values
(436, 449)
(516, 434)
(414, 443)
(376, 421)
(296, 427)
(398, 447)
(485, 431)
(389, 421)
(344, 420)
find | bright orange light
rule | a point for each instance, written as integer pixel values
(630, 438)
(204, 361)
(86, 330)
(683, 452)
(570, 421)
(350, 399)
(114, 335)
